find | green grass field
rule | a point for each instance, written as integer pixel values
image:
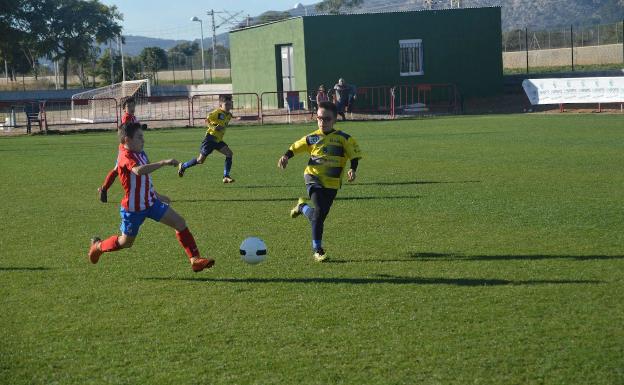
(485, 249)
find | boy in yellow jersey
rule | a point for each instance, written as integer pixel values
(329, 151)
(217, 121)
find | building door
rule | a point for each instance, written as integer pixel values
(285, 71)
(288, 68)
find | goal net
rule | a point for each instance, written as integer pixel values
(99, 105)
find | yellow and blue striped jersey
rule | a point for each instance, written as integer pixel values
(217, 120)
(328, 156)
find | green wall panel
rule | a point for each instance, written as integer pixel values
(253, 55)
(461, 46)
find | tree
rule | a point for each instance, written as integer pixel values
(186, 50)
(271, 16)
(67, 29)
(222, 58)
(103, 68)
(153, 60)
(334, 6)
(17, 47)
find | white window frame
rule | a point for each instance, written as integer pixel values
(417, 46)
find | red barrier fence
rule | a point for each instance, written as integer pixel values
(75, 112)
(372, 100)
(246, 106)
(426, 98)
(163, 108)
(20, 114)
(289, 105)
(269, 107)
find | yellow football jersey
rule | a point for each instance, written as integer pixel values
(328, 156)
(217, 121)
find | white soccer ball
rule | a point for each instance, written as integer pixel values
(253, 250)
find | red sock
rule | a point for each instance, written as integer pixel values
(188, 242)
(110, 179)
(110, 244)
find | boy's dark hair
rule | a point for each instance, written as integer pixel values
(128, 130)
(225, 98)
(329, 106)
(128, 100)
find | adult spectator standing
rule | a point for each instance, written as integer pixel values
(344, 96)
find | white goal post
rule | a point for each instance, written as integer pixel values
(97, 106)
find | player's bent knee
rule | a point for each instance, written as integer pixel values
(125, 241)
(180, 225)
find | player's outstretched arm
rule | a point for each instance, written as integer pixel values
(151, 167)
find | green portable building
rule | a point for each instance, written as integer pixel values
(458, 46)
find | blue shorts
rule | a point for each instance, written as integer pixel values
(132, 221)
(209, 144)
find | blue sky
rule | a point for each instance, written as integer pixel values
(170, 19)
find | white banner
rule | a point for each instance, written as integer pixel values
(575, 90)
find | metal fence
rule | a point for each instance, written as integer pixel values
(379, 102)
(20, 114)
(564, 37)
(245, 107)
(291, 106)
(443, 98)
(593, 46)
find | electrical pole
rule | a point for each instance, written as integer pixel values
(214, 43)
(229, 20)
(123, 67)
(112, 60)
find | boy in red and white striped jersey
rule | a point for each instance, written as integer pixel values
(141, 201)
(129, 106)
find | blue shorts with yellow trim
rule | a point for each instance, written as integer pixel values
(132, 221)
(209, 144)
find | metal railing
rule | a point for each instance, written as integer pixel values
(269, 107)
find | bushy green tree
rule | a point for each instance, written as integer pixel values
(334, 6)
(153, 59)
(67, 29)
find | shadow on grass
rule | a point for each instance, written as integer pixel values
(381, 279)
(24, 268)
(458, 257)
(414, 182)
(409, 258)
(295, 198)
(404, 183)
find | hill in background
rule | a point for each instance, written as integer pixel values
(534, 14)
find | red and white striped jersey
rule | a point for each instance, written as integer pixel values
(139, 190)
(129, 118)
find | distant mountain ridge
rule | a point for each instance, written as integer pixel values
(534, 14)
(134, 44)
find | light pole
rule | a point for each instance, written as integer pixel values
(201, 26)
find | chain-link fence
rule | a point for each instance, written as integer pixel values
(520, 39)
(182, 69)
(567, 48)
(176, 69)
